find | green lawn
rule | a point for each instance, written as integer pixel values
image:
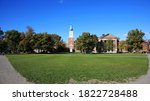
(60, 68)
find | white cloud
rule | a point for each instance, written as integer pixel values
(124, 34)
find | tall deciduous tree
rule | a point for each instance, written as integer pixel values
(13, 37)
(59, 45)
(38, 43)
(86, 42)
(47, 43)
(101, 47)
(3, 46)
(123, 46)
(29, 41)
(134, 40)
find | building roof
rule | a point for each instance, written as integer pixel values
(108, 36)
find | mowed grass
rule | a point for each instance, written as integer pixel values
(60, 68)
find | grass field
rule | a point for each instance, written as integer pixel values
(61, 68)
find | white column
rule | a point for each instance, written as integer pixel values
(70, 49)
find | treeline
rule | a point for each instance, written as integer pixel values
(31, 42)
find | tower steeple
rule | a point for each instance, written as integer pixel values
(71, 39)
(71, 32)
(71, 28)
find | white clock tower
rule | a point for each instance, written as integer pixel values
(71, 39)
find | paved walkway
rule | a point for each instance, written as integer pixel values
(8, 74)
(145, 79)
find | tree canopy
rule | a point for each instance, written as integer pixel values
(134, 40)
(12, 38)
(86, 42)
(30, 42)
(3, 46)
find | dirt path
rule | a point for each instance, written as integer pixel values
(145, 79)
(8, 74)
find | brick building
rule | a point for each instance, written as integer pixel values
(109, 40)
(145, 47)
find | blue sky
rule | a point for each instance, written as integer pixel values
(95, 16)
